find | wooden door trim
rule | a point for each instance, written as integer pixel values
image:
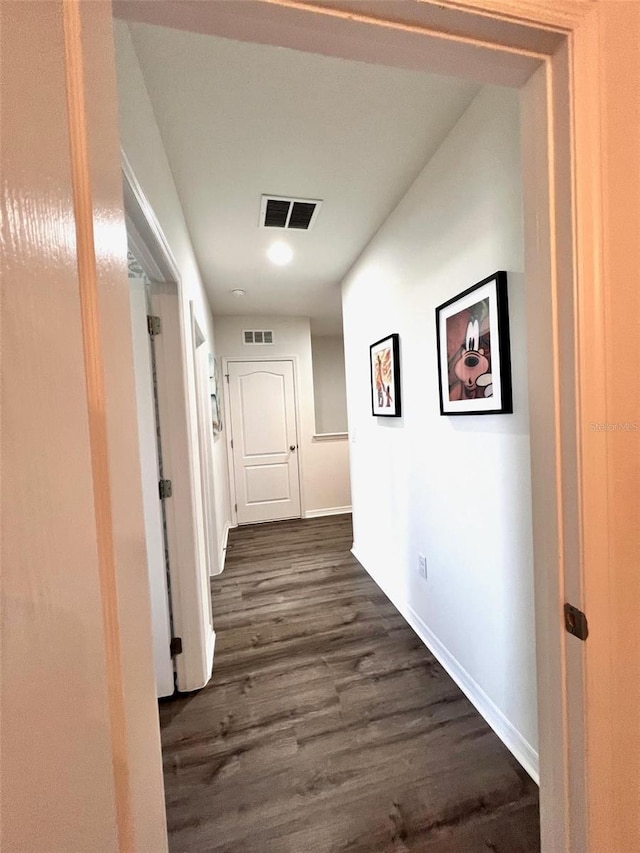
(226, 361)
(349, 15)
(560, 16)
(83, 203)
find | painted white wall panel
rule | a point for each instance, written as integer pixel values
(329, 389)
(455, 489)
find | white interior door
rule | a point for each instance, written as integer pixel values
(264, 440)
(153, 522)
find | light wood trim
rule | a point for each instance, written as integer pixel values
(94, 372)
(543, 343)
(566, 491)
(590, 383)
(607, 134)
(560, 15)
(398, 26)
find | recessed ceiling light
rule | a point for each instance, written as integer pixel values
(280, 253)
(238, 292)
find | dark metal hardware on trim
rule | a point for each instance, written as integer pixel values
(575, 622)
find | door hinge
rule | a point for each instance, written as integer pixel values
(154, 325)
(236, 506)
(227, 377)
(232, 444)
(175, 646)
(165, 488)
(575, 622)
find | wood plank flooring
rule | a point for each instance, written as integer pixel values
(328, 726)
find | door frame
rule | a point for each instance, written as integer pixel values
(229, 432)
(185, 540)
(579, 234)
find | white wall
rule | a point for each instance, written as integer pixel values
(329, 389)
(324, 465)
(142, 144)
(455, 489)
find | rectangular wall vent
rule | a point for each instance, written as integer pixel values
(292, 214)
(252, 336)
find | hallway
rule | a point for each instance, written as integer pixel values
(327, 725)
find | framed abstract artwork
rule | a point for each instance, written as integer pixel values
(474, 360)
(385, 377)
(216, 412)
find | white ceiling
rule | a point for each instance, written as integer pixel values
(240, 119)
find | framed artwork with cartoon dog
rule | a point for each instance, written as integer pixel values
(474, 360)
(384, 357)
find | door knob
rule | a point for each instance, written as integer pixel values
(292, 447)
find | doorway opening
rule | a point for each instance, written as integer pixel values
(523, 69)
(178, 492)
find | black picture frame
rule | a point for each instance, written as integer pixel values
(384, 363)
(474, 350)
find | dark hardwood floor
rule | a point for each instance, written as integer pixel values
(327, 725)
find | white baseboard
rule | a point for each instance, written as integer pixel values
(332, 510)
(519, 747)
(222, 556)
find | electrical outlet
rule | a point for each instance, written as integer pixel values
(422, 566)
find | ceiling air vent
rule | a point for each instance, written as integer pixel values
(257, 337)
(292, 214)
